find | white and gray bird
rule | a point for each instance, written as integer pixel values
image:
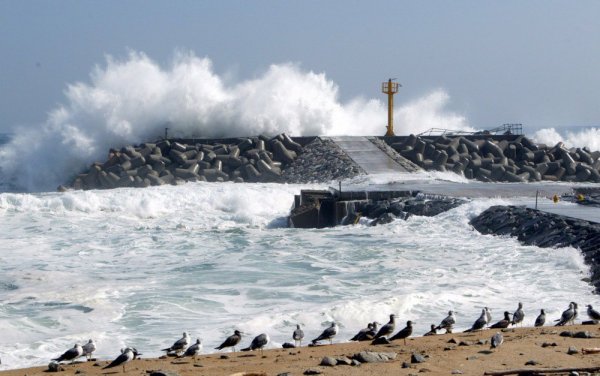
(298, 335)
(447, 323)
(328, 333)
(88, 349)
(480, 323)
(127, 355)
(71, 354)
(258, 343)
(518, 316)
(488, 315)
(180, 345)
(388, 328)
(497, 340)
(541, 319)
(592, 313)
(193, 350)
(362, 333)
(567, 315)
(575, 312)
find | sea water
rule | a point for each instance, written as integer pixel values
(137, 267)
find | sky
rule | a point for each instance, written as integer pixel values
(529, 62)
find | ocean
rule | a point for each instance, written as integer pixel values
(137, 267)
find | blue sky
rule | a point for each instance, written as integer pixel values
(533, 62)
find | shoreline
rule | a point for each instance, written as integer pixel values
(472, 357)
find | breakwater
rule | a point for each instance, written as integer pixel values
(329, 208)
(506, 158)
(533, 227)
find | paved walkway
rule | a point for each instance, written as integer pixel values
(367, 155)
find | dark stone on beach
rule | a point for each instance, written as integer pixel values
(583, 334)
(406, 365)
(549, 344)
(162, 373)
(55, 367)
(572, 350)
(532, 363)
(287, 345)
(343, 361)
(224, 357)
(417, 358)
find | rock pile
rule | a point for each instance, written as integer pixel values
(385, 211)
(533, 227)
(487, 160)
(321, 161)
(256, 159)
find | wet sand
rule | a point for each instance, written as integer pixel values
(520, 346)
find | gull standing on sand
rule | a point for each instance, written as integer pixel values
(298, 335)
(127, 355)
(567, 315)
(180, 345)
(404, 333)
(388, 328)
(541, 319)
(373, 332)
(258, 343)
(504, 323)
(328, 333)
(231, 341)
(362, 333)
(488, 314)
(592, 313)
(431, 332)
(519, 315)
(193, 350)
(480, 323)
(448, 322)
(88, 349)
(71, 354)
(497, 340)
(575, 306)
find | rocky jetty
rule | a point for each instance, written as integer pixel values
(321, 161)
(501, 160)
(254, 159)
(533, 227)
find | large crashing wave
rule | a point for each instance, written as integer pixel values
(133, 100)
(589, 137)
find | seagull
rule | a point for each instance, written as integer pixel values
(404, 333)
(127, 355)
(258, 343)
(541, 319)
(504, 323)
(448, 322)
(298, 335)
(567, 315)
(89, 348)
(480, 323)
(362, 333)
(575, 306)
(488, 314)
(519, 315)
(592, 313)
(497, 340)
(388, 328)
(193, 350)
(432, 331)
(231, 341)
(328, 333)
(371, 334)
(180, 345)
(71, 354)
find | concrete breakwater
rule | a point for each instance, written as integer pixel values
(253, 159)
(533, 227)
(328, 208)
(506, 158)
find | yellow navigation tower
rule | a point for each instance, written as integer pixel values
(390, 88)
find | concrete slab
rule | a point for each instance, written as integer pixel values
(367, 155)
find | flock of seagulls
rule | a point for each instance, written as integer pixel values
(182, 348)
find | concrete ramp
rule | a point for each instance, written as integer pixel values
(370, 157)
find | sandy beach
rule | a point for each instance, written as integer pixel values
(443, 357)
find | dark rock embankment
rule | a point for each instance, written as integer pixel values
(253, 159)
(509, 159)
(533, 227)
